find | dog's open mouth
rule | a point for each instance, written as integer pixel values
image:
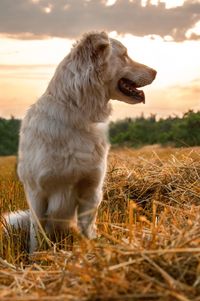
(129, 88)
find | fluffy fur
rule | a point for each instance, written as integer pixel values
(63, 139)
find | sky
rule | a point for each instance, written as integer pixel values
(35, 35)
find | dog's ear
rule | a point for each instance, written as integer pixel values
(100, 46)
(101, 53)
(93, 47)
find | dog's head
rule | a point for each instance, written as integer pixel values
(127, 75)
(107, 60)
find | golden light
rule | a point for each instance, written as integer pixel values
(110, 2)
(48, 9)
(30, 52)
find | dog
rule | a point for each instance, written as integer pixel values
(63, 138)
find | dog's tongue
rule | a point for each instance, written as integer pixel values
(128, 88)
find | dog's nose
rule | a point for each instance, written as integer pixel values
(153, 73)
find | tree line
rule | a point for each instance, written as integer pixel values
(133, 132)
(175, 131)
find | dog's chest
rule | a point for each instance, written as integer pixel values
(77, 153)
(84, 152)
(72, 164)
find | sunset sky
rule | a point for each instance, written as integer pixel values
(36, 34)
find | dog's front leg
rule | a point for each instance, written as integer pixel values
(37, 205)
(33, 242)
(87, 210)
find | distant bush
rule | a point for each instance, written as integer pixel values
(176, 131)
(9, 136)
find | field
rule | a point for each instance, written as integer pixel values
(148, 245)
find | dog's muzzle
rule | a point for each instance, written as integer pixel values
(129, 88)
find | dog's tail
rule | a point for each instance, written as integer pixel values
(17, 220)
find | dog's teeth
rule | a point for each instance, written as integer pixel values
(130, 89)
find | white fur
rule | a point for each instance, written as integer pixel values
(63, 145)
(18, 219)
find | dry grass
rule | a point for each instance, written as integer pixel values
(149, 236)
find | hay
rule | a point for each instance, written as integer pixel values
(149, 238)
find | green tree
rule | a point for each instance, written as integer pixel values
(9, 136)
(177, 131)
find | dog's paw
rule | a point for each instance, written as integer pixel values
(89, 232)
(92, 233)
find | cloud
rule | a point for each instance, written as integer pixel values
(70, 18)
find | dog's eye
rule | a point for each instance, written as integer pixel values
(124, 56)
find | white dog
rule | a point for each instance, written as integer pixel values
(63, 145)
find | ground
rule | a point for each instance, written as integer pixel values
(148, 245)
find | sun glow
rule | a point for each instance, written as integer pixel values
(26, 67)
(46, 51)
(110, 2)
